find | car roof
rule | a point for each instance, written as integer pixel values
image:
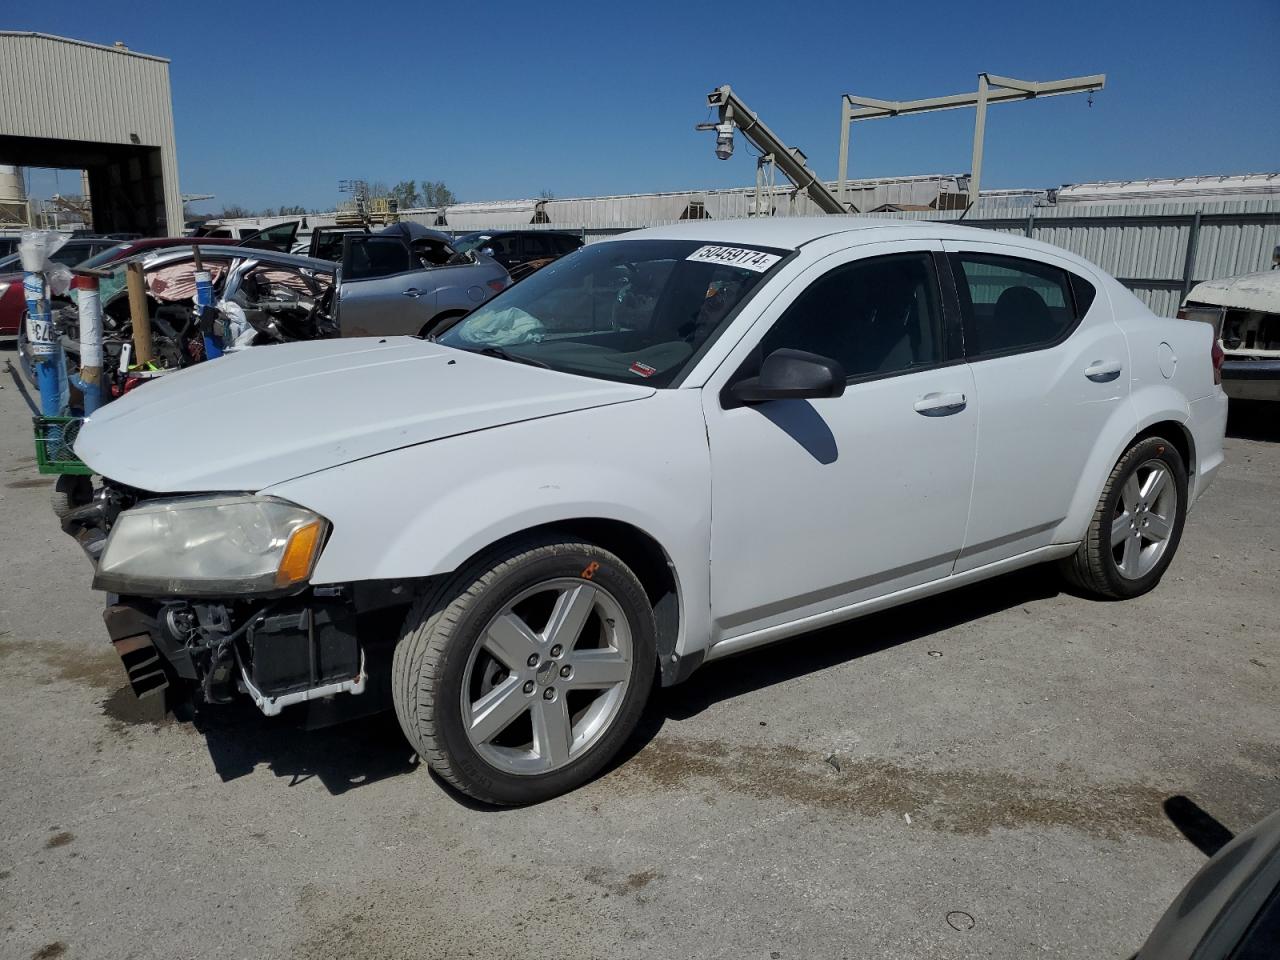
(409, 230)
(791, 233)
(232, 252)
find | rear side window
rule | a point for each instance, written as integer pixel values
(369, 257)
(1010, 304)
(537, 246)
(877, 317)
(567, 244)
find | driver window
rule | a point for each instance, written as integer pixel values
(877, 317)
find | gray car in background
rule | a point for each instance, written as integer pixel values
(407, 279)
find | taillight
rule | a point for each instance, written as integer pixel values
(497, 286)
(1218, 356)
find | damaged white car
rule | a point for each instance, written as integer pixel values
(661, 450)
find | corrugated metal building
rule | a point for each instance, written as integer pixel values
(107, 110)
(1157, 247)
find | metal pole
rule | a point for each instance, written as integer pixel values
(1189, 263)
(979, 134)
(90, 307)
(842, 176)
(41, 342)
(204, 300)
(139, 315)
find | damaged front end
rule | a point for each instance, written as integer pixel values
(202, 608)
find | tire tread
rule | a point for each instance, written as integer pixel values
(430, 628)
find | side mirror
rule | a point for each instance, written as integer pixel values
(792, 375)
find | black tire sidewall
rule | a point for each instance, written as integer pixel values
(1152, 448)
(569, 561)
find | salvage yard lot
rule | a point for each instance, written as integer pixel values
(982, 774)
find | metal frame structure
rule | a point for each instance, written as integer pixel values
(790, 160)
(991, 90)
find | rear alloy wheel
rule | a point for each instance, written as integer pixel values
(1137, 525)
(525, 674)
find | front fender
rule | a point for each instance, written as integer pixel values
(424, 510)
(1147, 405)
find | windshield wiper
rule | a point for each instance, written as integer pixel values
(513, 357)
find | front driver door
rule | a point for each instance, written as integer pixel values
(821, 504)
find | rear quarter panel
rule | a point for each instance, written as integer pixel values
(1157, 346)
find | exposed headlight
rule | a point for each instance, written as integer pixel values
(222, 546)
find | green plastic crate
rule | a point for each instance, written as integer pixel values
(55, 445)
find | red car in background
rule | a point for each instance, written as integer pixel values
(80, 251)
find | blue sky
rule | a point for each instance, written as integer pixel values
(275, 102)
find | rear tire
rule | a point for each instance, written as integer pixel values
(523, 674)
(1137, 526)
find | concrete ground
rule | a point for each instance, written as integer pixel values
(991, 773)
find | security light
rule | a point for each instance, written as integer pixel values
(724, 140)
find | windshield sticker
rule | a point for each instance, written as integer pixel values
(754, 260)
(642, 369)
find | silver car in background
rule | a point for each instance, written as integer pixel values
(407, 279)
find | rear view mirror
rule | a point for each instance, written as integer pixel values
(792, 375)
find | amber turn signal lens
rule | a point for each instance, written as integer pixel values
(299, 554)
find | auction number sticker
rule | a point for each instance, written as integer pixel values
(754, 260)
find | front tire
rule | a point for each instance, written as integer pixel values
(1137, 525)
(520, 677)
(70, 492)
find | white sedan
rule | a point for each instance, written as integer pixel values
(660, 450)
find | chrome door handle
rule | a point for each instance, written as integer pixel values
(1102, 371)
(940, 404)
(412, 292)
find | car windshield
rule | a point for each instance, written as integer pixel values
(638, 311)
(106, 256)
(470, 241)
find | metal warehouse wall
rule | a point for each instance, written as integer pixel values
(1145, 245)
(1158, 250)
(67, 90)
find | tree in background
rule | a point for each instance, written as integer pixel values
(406, 194)
(436, 194)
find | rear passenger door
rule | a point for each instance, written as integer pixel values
(382, 288)
(1050, 366)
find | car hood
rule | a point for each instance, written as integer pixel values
(259, 417)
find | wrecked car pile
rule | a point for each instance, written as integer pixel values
(263, 296)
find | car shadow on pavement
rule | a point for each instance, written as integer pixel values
(341, 757)
(368, 750)
(361, 752)
(1253, 420)
(844, 642)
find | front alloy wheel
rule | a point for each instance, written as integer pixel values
(523, 674)
(533, 699)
